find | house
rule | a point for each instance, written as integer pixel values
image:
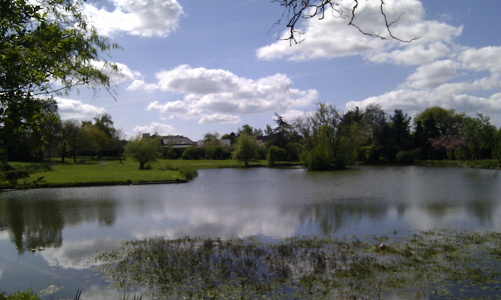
(177, 141)
(182, 142)
(174, 141)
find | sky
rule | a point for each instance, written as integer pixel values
(197, 67)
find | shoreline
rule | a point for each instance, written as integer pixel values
(29, 183)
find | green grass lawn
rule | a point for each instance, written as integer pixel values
(112, 172)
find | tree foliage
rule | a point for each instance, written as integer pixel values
(327, 142)
(46, 48)
(213, 147)
(275, 155)
(245, 148)
(143, 150)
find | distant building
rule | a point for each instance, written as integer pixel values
(174, 141)
(177, 142)
(182, 142)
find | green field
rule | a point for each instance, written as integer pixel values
(89, 172)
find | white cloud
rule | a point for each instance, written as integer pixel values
(75, 109)
(432, 75)
(121, 75)
(413, 54)
(186, 79)
(467, 96)
(214, 95)
(154, 127)
(143, 18)
(219, 118)
(292, 115)
(142, 85)
(331, 36)
(483, 59)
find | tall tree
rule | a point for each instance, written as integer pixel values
(143, 150)
(401, 139)
(480, 136)
(374, 118)
(71, 136)
(245, 148)
(100, 135)
(212, 146)
(50, 127)
(104, 123)
(446, 121)
(325, 147)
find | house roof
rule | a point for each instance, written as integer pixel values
(177, 141)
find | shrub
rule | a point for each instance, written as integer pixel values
(170, 153)
(275, 154)
(317, 159)
(406, 157)
(188, 172)
(14, 175)
(190, 153)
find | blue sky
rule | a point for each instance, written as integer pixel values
(193, 67)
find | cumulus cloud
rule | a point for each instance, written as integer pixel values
(420, 91)
(154, 127)
(483, 59)
(468, 80)
(139, 84)
(432, 75)
(214, 95)
(75, 109)
(412, 55)
(219, 118)
(121, 75)
(142, 18)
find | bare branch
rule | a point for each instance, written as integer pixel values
(294, 10)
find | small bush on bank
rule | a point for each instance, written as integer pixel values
(189, 172)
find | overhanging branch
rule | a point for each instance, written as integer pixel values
(294, 10)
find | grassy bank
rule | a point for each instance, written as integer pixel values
(95, 172)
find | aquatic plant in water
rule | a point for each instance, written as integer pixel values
(428, 264)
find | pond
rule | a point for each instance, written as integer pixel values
(48, 237)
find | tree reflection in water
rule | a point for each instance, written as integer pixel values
(435, 263)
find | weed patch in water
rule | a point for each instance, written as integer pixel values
(428, 264)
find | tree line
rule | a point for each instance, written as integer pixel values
(50, 136)
(324, 139)
(328, 138)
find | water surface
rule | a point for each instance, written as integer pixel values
(49, 236)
